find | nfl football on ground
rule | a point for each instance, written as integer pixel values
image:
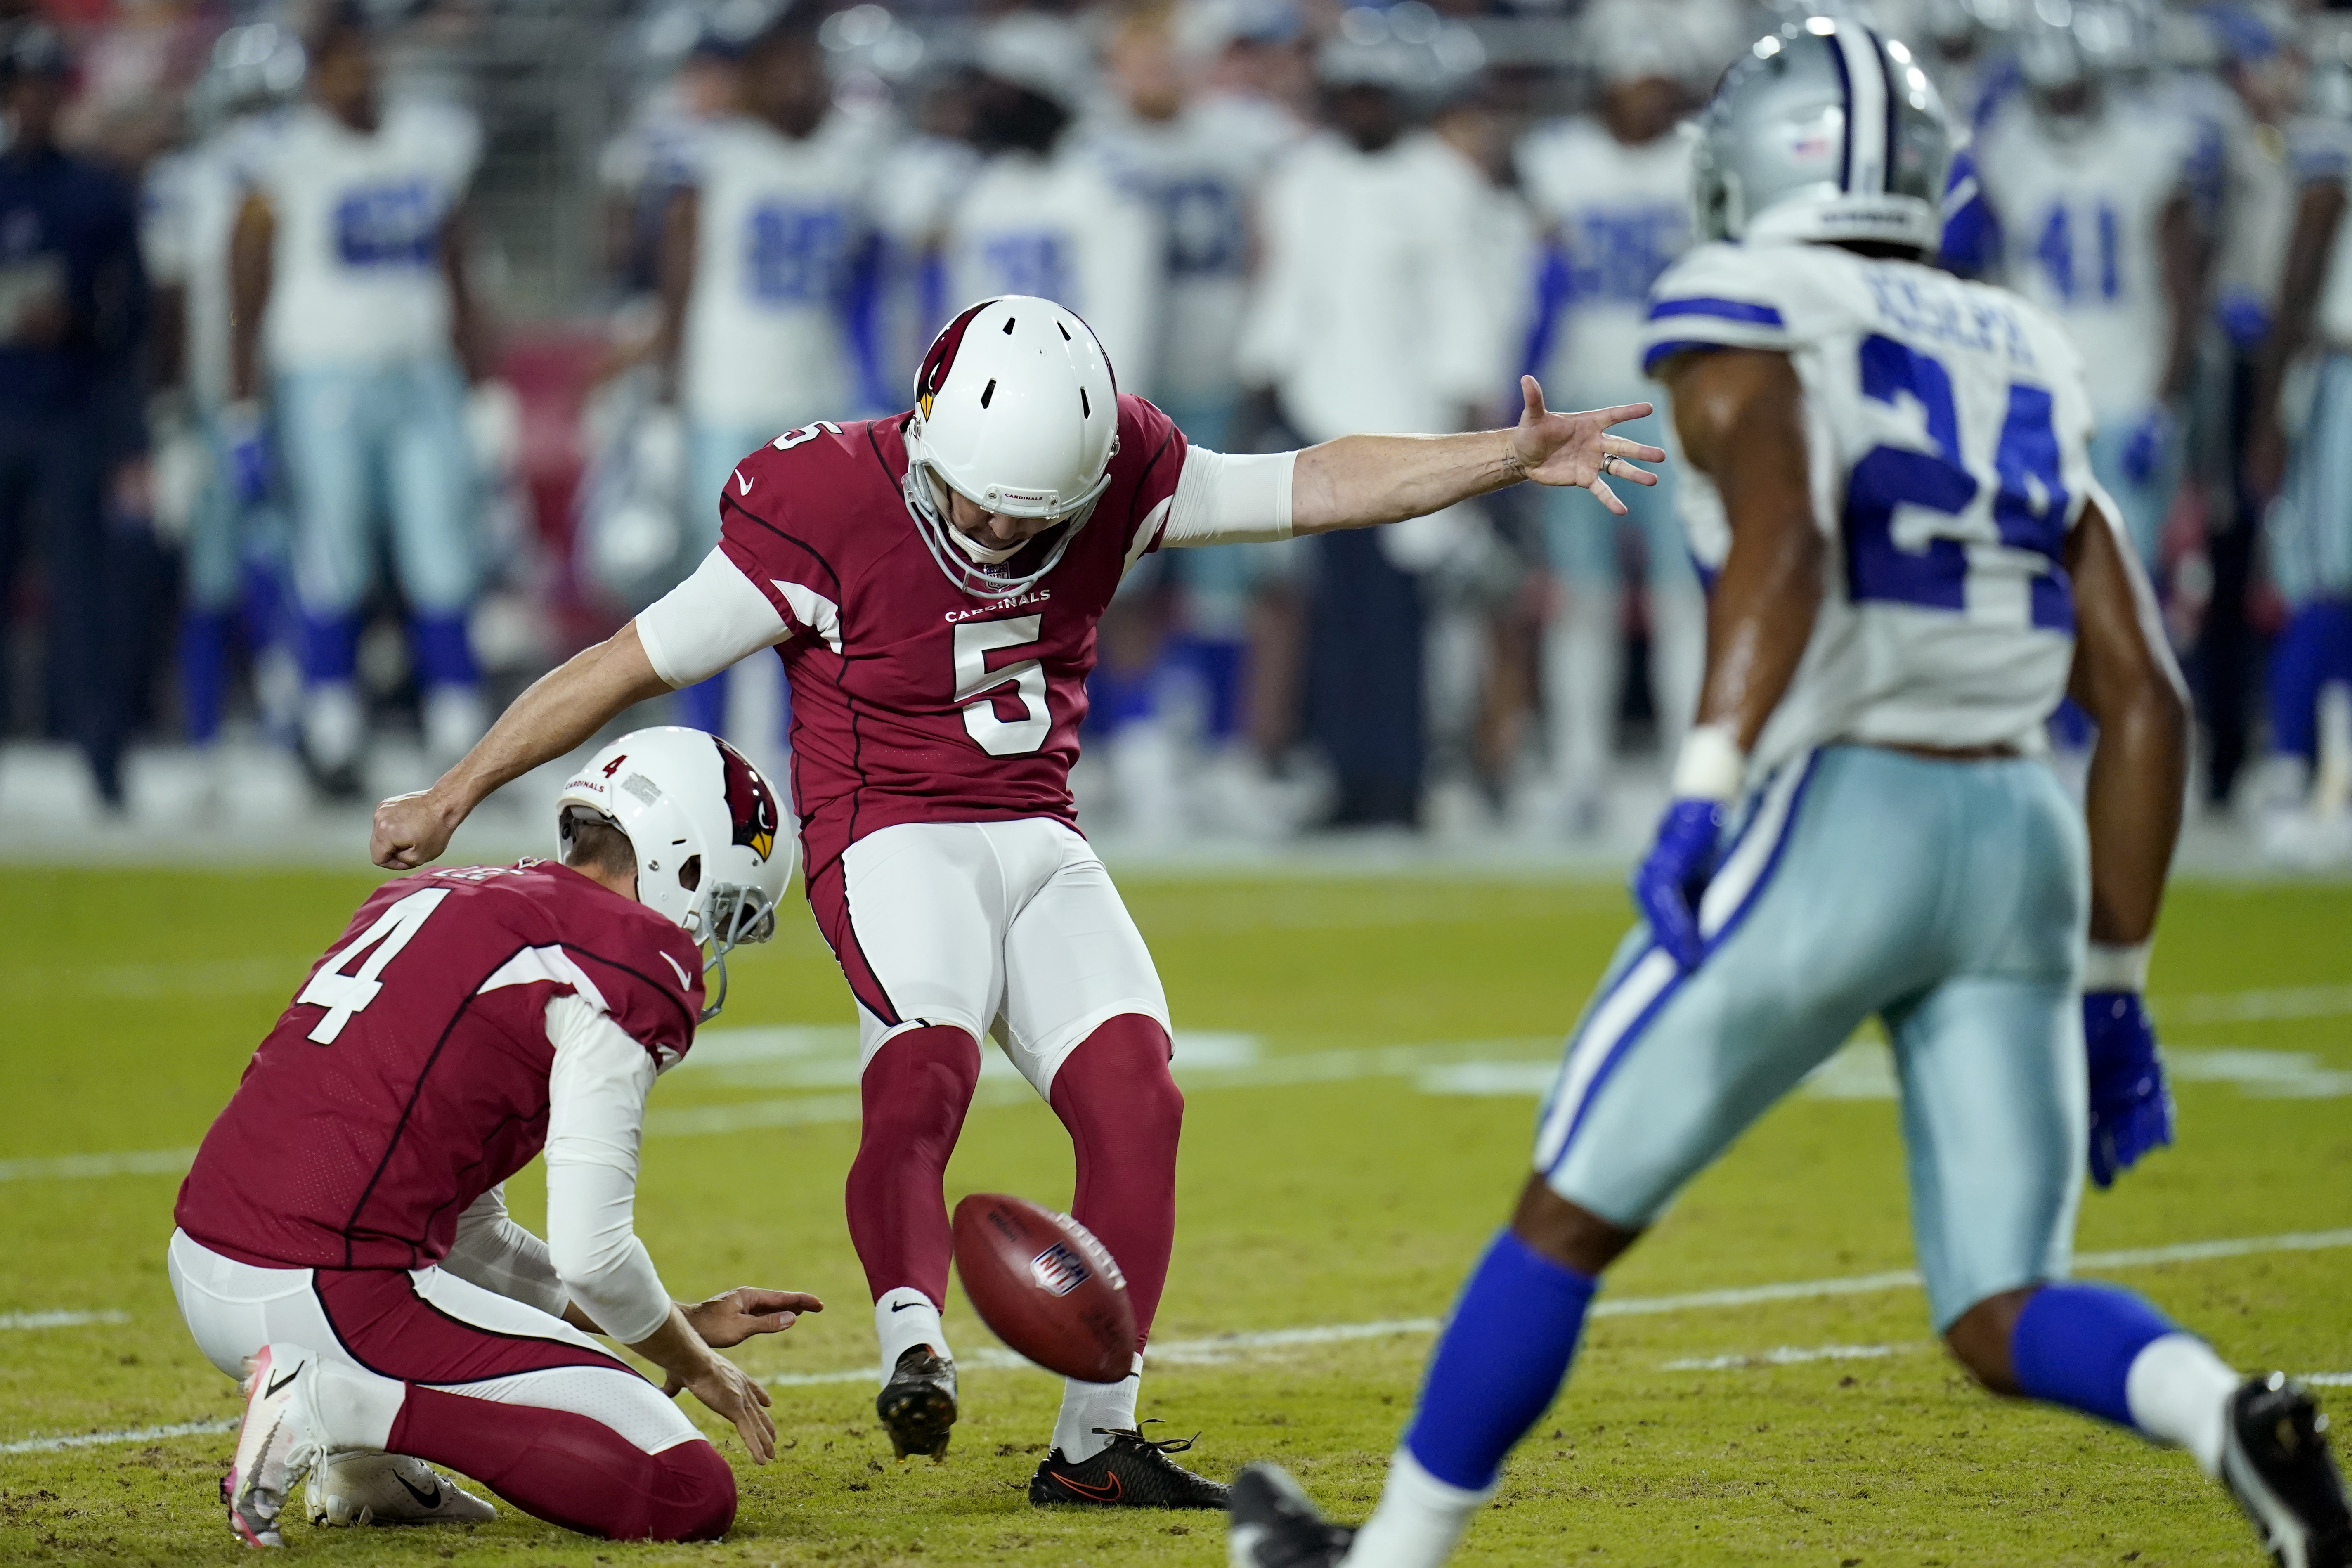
(1043, 1283)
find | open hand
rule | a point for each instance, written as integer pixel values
(733, 1316)
(730, 1390)
(1577, 449)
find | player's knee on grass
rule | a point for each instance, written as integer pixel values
(1573, 1236)
(1980, 1340)
(698, 1495)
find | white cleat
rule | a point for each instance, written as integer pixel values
(276, 1442)
(362, 1487)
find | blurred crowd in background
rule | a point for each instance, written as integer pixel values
(357, 362)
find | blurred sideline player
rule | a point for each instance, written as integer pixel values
(1861, 826)
(2092, 190)
(1614, 187)
(759, 250)
(1042, 215)
(343, 1238)
(1373, 312)
(932, 582)
(2300, 451)
(1199, 159)
(234, 567)
(353, 315)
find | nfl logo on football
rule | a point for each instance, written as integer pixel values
(1059, 1270)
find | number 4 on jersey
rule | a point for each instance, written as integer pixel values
(343, 994)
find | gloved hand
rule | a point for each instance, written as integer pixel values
(1673, 877)
(244, 449)
(2131, 1108)
(2151, 440)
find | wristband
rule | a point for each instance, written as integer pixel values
(1711, 766)
(2116, 966)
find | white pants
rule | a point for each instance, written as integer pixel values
(1010, 929)
(440, 1331)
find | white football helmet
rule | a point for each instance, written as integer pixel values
(713, 850)
(1015, 409)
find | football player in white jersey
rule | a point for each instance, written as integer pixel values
(1911, 561)
(1042, 215)
(2091, 187)
(1613, 187)
(760, 250)
(1198, 160)
(190, 207)
(352, 315)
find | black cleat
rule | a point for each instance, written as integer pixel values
(2275, 1462)
(1133, 1472)
(917, 1405)
(1274, 1525)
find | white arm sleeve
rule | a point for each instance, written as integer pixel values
(492, 1251)
(596, 1113)
(708, 622)
(1224, 499)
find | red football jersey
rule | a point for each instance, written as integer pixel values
(913, 700)
(409, 1075)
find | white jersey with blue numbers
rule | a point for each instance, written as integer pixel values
(356, 272)
(1949, 423)
(2079, 217)
(1063, 229)
(782, 223)
(1201, 170)
(1620, 216)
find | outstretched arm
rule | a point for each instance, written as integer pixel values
(560, 710)
(1359, 480)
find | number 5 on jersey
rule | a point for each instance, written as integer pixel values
(343, 994)
(979, 688)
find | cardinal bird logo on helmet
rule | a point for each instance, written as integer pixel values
(943, 354)
(750, 803)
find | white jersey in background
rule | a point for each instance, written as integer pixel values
(1622, 216)
(2079, 218)
(1201, 170)
(1372, 312)
(357, 274)
(1061, 229)
(1949, 423)
(780, 226)
(189, 212)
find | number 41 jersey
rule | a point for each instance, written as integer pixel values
(1948, 424)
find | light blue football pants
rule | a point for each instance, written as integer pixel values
(1948, 897)
(354, 434)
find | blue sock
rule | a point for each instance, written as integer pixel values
(445, 652)
(703, 705)
(1498, 1364)
(331, 647)
(2075, 1344)
(204, 673)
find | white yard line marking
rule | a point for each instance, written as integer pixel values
(58, 1320)
(1786, 1355)
(2250, 1006)
(2329, 1379)
(122, 1163)
(100, 1440)
(1222, 1348)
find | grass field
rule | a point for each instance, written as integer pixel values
(1361, 1058)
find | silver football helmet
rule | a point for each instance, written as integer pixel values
(1823, 131)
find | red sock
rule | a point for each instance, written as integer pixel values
(571, 1470)
(916, 1091)
(1124, 1112)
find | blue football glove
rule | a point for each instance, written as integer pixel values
(2151, 439)
(245, 452)
(1668, 883)
(2131, 1108)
